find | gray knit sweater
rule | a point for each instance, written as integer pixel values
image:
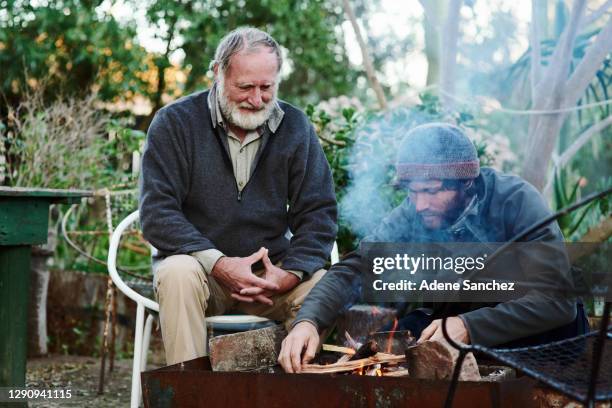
(189, 200)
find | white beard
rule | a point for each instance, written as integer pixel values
(231, 111)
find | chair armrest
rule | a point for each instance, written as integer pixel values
(112, 264)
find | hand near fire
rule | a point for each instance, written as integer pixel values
(285, 281)
(303, 336)
(455, 327)
(235, 274)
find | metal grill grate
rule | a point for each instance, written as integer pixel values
(564, 365)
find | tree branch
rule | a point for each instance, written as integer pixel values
(449, 37)
(431, 25)
(367, 62)
(571, 151)
(582, 140)
(595, 15)
(588, 66)
(559, 63)
(536, 52)
(430, 13)
(600, 232)
(331, 141)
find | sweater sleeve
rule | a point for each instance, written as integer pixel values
(537, 311)
(312, 208)
(164, 183)
(337, 290)
(341, 286)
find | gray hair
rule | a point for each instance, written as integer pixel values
(249, 39)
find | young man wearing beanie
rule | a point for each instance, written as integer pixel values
(450, 199)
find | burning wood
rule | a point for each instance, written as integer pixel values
(338, 349)
(429, 360)
(353, 365)
(368, 349)
(352, 343)
(347, 351)
(374, 371)
(344, 358)
(362, 359)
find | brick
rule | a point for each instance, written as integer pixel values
(246, 350)
(435, 360)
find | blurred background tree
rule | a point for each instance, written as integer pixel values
(317, 65)
(78, 46)
(482, 52)
(70, 47)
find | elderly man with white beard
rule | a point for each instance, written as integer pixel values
(225, 174)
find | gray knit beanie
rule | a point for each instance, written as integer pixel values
(437, 151)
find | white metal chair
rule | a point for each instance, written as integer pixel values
(142, 334)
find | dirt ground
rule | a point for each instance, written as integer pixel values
(80, 375)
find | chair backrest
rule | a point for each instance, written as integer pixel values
(122, 285)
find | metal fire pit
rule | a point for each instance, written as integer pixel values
(193, 384)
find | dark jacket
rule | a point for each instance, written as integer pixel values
(504, 206)
(189, 200)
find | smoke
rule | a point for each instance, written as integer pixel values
(371, 195)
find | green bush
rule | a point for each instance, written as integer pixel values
(55, 145)
(73, 143)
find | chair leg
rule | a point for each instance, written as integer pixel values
(145, 342)
(135, 396)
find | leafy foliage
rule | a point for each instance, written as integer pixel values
(55, 146)
(568, 190)
(70, 143)
(70, 47)
(76, 47)
(305, 28)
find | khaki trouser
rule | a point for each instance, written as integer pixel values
(186, 294)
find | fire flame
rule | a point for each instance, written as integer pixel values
(390, 340)
(379, 372)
